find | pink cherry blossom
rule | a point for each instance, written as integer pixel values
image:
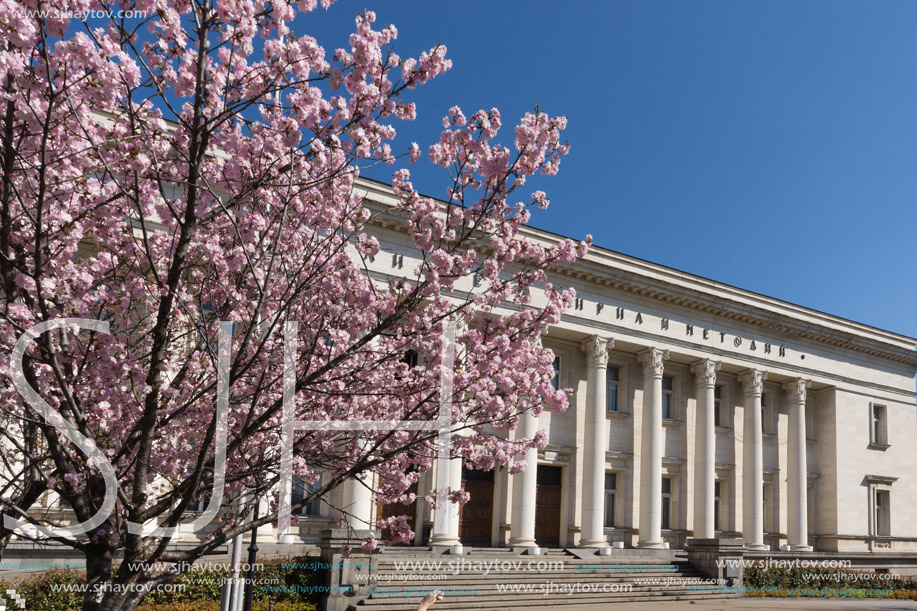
(169, 180)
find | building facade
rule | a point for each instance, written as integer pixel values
(698, 410)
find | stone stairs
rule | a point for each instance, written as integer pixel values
(501, 578)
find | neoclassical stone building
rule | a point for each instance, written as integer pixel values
(698, 410)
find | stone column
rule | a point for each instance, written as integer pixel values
(797, 476)
(596, 443)
(752, 381)
(525, 485)
(445, 516)
(705, 449)
(357, 504)
(652, 441)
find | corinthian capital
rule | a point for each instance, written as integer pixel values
(597, 350)
(652, 360)
(705, 372)
(752, 381)
(796, 390)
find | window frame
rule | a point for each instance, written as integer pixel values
(882, 512)
(670, 393)
(768, 500)
(560, 372)
(668, 503)
(878, 437)
(613, 384)
(879, 510)
(611, 493)
(313, 509)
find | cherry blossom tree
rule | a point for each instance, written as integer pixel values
(196, 162)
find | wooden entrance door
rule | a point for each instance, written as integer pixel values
(476, 517)
(397, 509)
(548, 498)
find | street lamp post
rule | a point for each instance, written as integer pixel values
(250, 575)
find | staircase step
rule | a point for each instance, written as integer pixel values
(479, 572)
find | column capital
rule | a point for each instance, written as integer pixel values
(796, 389)
(652, 360)
(752, 381)
(597, 350)
(705, 372)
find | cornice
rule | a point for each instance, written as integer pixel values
(603, 268)
(766, 320)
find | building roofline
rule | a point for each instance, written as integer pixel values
(759, 301)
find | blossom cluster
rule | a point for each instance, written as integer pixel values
(204, 170)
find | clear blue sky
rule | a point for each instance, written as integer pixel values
(769, 145)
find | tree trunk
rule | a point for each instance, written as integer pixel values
(98, 574)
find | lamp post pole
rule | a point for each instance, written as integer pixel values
(250, 575)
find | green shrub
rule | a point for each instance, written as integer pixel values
(43, 592)
(825, 579)
(191, 591)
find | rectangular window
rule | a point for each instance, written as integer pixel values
(765, 413)
(667, 402)
(718, 406)
(301, 490)
(878, 431)
(555, 381)
(717, 505)
(612, 377)
(767, 498)
(882, 515)
(667, 503)
(611, 497)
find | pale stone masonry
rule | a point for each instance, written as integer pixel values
(701, 410)
(698, 410)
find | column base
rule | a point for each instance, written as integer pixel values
(651, 544)
(594, 543)
(444, 541)
(800, 548)
(756, 546)
(520, 542)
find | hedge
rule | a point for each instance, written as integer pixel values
(785, 578)
(201, 590)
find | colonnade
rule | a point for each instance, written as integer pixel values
(652, 359)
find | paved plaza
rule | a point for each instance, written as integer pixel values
(762, 604)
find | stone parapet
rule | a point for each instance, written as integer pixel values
(350, 578)
(718, 558)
